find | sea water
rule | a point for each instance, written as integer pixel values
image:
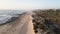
(5, 15)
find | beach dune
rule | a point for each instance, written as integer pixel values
(22, 25)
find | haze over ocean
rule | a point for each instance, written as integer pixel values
(29, 4)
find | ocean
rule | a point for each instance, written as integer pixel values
(5, 15)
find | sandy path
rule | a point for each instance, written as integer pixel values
(23, 25)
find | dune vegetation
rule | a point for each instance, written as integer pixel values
(46, 21)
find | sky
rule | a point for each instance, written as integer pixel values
(29, 4)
